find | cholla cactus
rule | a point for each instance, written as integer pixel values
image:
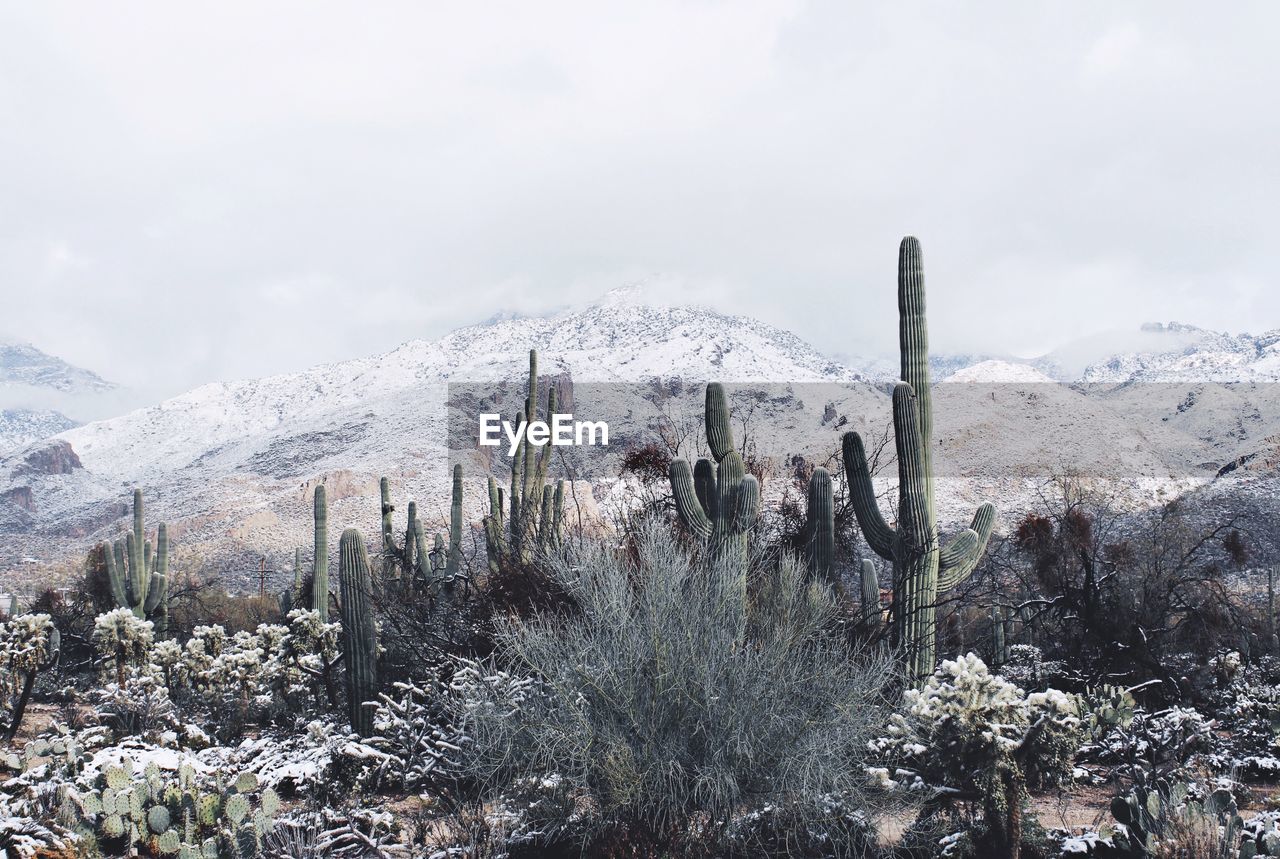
(28, 645)
(309, 654)
(123, 641)
(958, 723)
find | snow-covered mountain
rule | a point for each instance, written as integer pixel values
(36, 392)
(22, 364)
(231, 465)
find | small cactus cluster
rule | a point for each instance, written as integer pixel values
(719, 503)
(359, 635)
(411, 563)
(57, 746)
(174, 816)
(139, 577)
(531, 514)
(1150, 813)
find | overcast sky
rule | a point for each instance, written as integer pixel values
(191, 192)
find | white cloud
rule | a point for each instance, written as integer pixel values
(247, 188)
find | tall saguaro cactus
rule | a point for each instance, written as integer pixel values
(821, 526)
(140, 580)
(717, 503)
(320, 560)
(922, 567)
(531, 514)
(359, 636)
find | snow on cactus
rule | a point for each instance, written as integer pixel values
(123, 641)
(954, 727)
(28, 644)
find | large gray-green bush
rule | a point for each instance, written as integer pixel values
(669, 713)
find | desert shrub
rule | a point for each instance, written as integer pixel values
(412, 730)
(666, 707)
(138, 708)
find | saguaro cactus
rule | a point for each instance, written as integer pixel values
(999, 635)
(410, 562)
(530, 514)
(922, 567)
(139, 580)
(821, 526)
(359, 636)
(718, 504)
(320, 560)
(869, 584)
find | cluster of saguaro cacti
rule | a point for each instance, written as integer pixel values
(719, 503)
(530, 516)
(359, 636)
(411, 563)
(923, 568)
(174, 817)
(140, 579)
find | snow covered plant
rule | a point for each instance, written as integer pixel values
(954, 729)
(308, 655)
(123, 641)
(28, 645)
(667, 706)
(140, 707)
(413, 732)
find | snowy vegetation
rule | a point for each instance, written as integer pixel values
(704, 676)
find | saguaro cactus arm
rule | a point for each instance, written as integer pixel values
(719, 431)
(962, 553)
(689, 503)
(879, 534)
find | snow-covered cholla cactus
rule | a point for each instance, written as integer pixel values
(28, 645)
(923, 568)
(308, 655)
(123, 640)
(954, 727)
(140, 580)
(170, 814)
